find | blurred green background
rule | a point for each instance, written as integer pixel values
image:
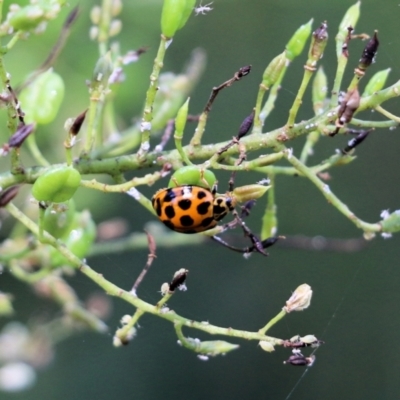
(355, 308)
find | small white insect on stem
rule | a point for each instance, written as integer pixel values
(203, 10)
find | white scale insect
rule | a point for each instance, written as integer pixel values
(203, 10)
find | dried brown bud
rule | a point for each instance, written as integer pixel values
(369, 52)
(77, 124)
(348, 106)
(7, 195)
(244, 71)
(299, 360)
(245, 126)
(351, 144)
(22, 132)
(178, 280)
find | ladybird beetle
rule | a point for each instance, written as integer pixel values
(190, 208)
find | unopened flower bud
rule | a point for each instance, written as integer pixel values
(245, 193)
(266, 346)
(376, 83)
(102, 70)
(215, 347)
(116, 7)
(181, 118)
(318, 43)
(165, 288)
(297, 42)
(391, 222)
(319, 90)
(274, 70)
(300, 299)
(175, 14)
(349, 20)
(115, 27)
(95, 14)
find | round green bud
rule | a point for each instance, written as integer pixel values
(27, 18)
(41, 100)
(175, 14)
(249, 192)
(193, 175)
(57, 185)
(79, 240)
(297, 42)
(376, 83)
(58, 218)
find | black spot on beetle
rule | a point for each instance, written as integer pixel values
(208, 222)
(203, 208)
(157, 207)
(201, 194)
(184, 204)
(186, 220)
(169, 196)
(169, 212)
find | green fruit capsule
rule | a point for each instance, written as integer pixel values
(57, 185)
(27, 18)
(79, 240)
(42, 99)
(175, 14)
(193, 175)
(58, 218)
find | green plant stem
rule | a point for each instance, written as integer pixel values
(104, 26)
(332, 199)
(388, 114)
(299, 97)
(130, 298)
(312, 139)
(12, 42)
(35, 151)
(272, 322)
(342, 62)
(150, 97)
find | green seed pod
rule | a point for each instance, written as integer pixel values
(319, 90)
(42, 99)
(180, 120)
(318, 44)
(349, 20)
(376, 83)
(193, 175)
(102, 71)
(58, 219)
(57, 185)
(215, 347)
(249, 192)
(297, 42)
(391, 222)
(79, 240)
(27, 18)
(274, 69)
(175, 14)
